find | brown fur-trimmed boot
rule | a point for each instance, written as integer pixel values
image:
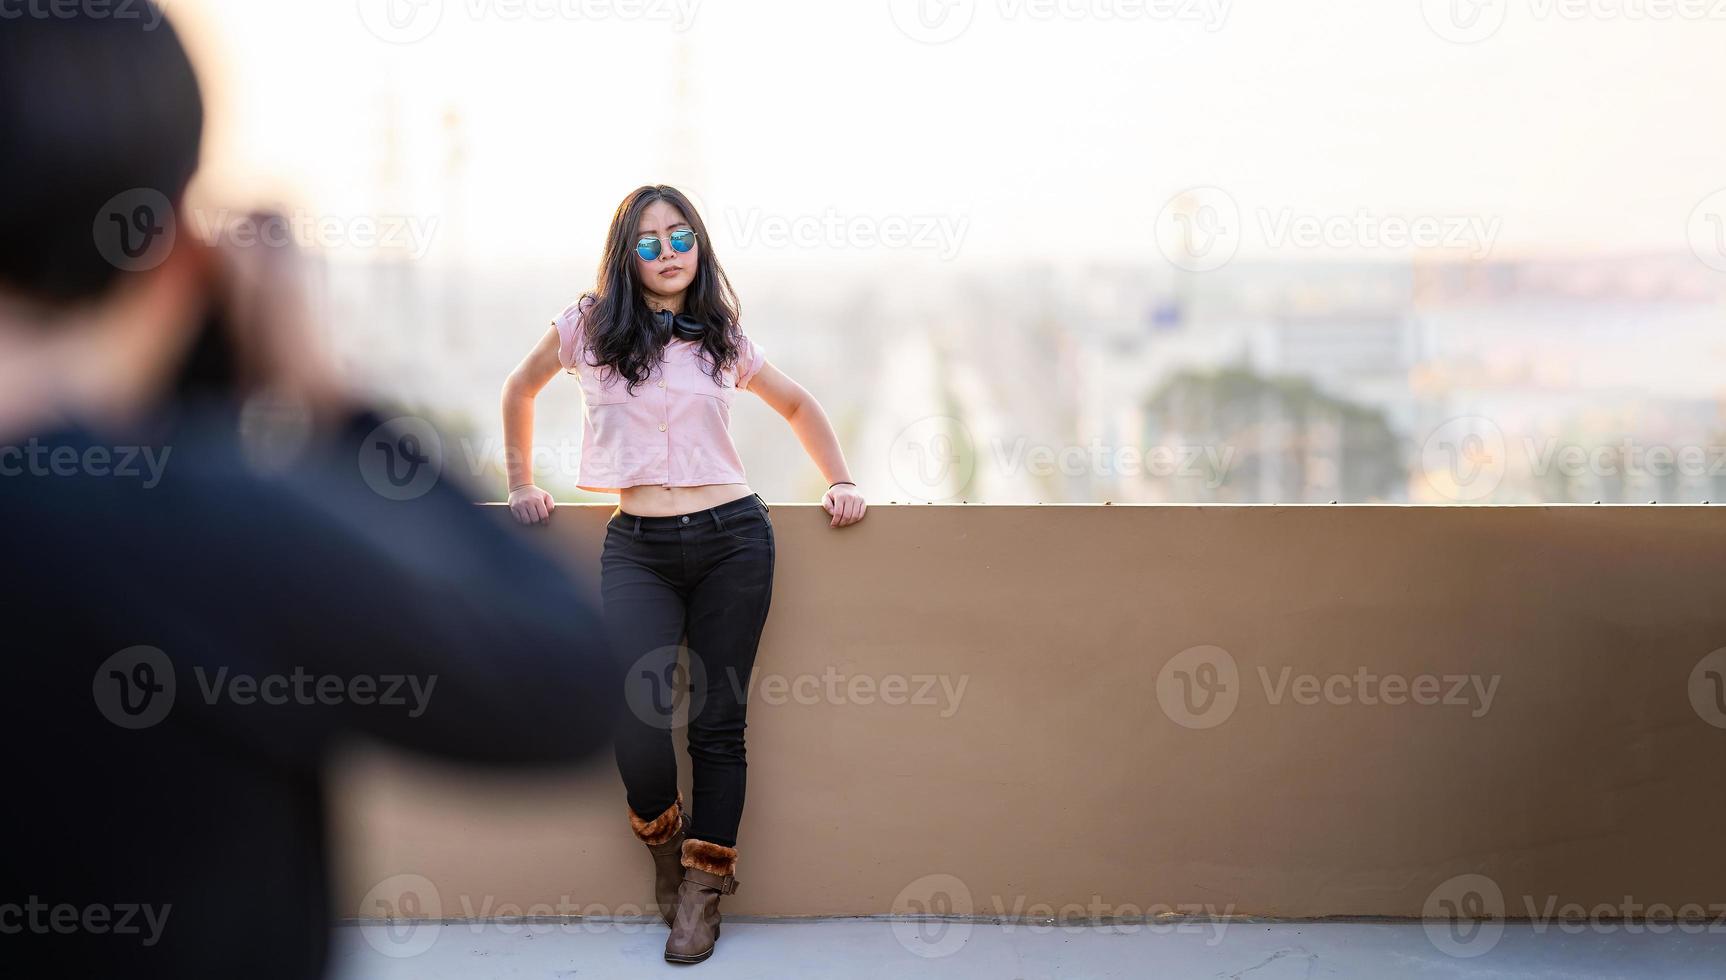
(707, 874)
(664, 836)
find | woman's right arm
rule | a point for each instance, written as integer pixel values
(528, 503)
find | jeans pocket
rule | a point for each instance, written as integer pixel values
(617, 537)
(751, 525)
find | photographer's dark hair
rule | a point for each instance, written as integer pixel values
(619, 326)
(93, 105)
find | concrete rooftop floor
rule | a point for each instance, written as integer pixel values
(883, 948)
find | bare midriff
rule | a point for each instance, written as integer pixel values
(652, 500)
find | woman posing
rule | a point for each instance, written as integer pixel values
(689, 550)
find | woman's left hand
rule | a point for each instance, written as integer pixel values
(845, 503)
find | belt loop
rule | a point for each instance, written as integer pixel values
(635, 530)
(713, 512)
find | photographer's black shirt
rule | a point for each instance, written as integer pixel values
(188, 634)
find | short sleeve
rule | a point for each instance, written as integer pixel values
(750, 358)
(568, 324)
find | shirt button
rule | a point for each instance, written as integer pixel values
(662, 384)
(686, 519)
(662, 426)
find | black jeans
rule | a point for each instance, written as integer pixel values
(706, 578)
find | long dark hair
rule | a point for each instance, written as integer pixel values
(619, 326)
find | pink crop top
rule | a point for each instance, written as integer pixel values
(674, 431)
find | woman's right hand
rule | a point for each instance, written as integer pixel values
(530, 504)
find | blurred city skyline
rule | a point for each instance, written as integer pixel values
(1351, 253)
(519, 124)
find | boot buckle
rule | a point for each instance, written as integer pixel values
(724, 884)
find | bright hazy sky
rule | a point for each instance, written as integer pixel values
(1034, 136)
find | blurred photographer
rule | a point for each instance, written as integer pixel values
(206, 599)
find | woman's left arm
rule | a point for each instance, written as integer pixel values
(809, 421)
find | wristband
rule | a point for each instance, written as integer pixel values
(832, 485)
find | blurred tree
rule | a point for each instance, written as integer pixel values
(1276, 440)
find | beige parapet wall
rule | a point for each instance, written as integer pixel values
(1273, 711)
